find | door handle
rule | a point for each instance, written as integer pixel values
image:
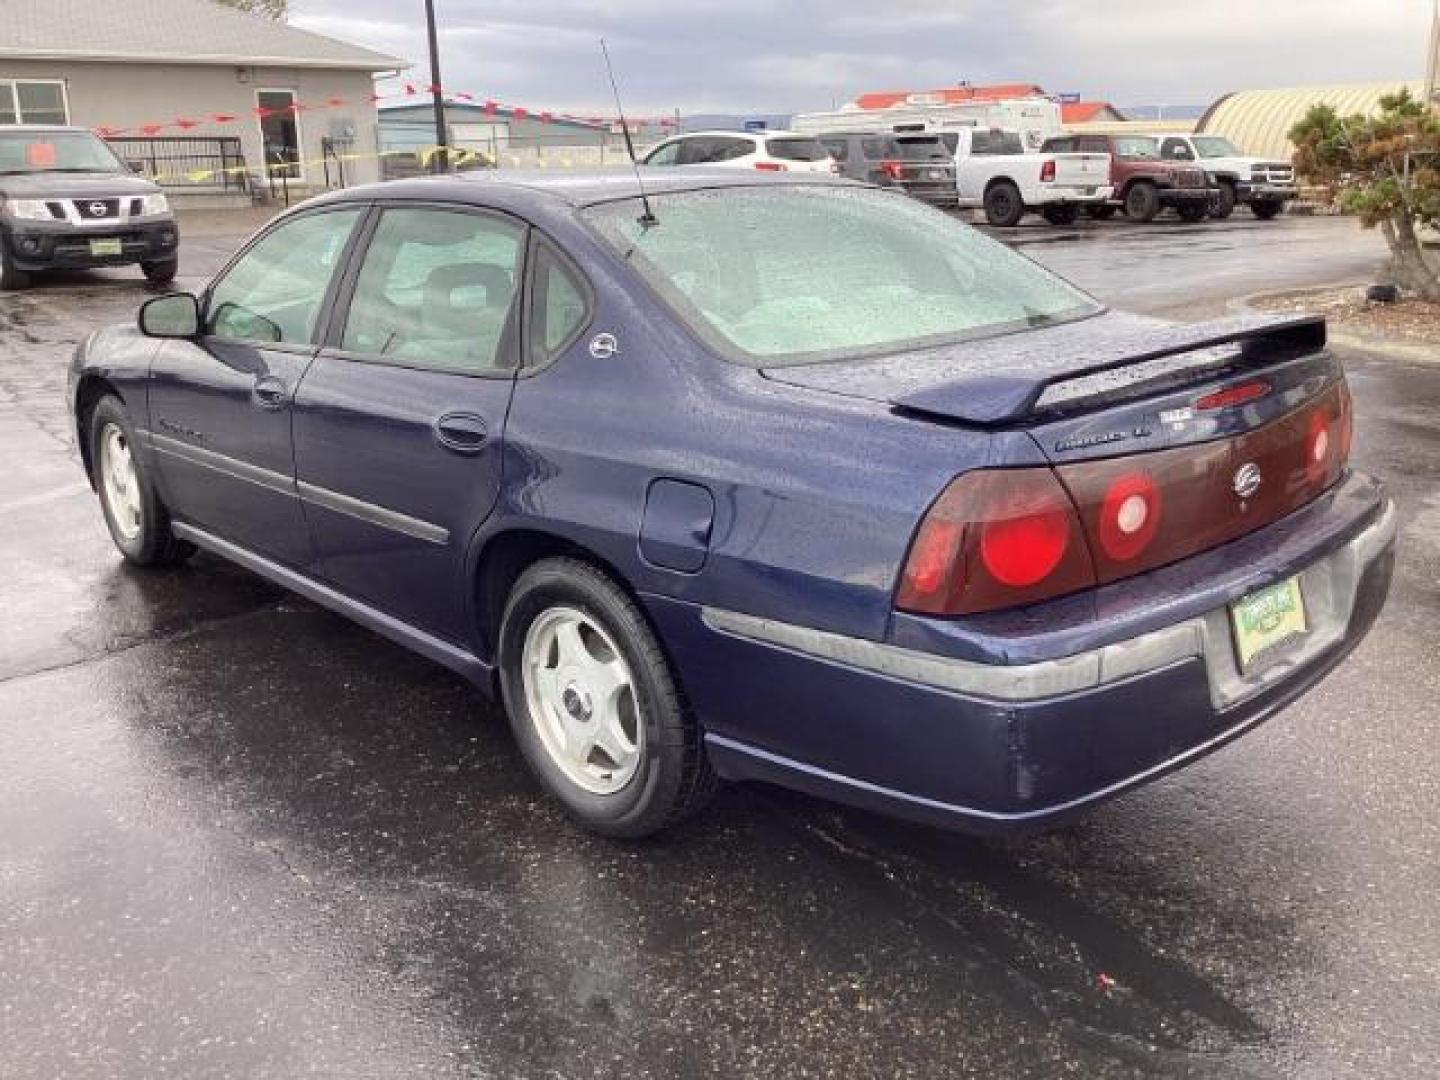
(465, 433)
(271, 393)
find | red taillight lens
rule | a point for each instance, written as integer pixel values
(995, 538)
(1047, 171)
(1129, 516)
(893, 169)
(769, 166)
(1234, 395)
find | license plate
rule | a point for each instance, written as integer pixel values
(106, 247)
(1267, 619)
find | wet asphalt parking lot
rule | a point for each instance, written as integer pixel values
(241, 837)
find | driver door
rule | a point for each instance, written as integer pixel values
(220, 405)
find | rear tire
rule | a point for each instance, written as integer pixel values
(1061, 214)
(1266, 208)
(1003, 205)
(1193, 212)
(160, 272)
(1142, 202)
(11, 276)
(138, 521)
(594, 706)
(1223, 203)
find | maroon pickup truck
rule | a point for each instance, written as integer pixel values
(1145, 183)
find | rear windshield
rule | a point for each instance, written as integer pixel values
(809, 272)
(797, 149)
(55, 151)
(922, 149)
(996, 142)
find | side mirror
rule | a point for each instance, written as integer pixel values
(176, 315)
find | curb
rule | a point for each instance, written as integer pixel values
(1396, 350)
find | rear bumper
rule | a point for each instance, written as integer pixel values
(995, 748)
(42, 246)
(936, 193)
(1081, 196)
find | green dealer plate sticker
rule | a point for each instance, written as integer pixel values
(1266, 619)
(105, 247)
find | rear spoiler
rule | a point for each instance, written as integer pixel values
(1006, 396)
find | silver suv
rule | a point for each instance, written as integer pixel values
(67, 202)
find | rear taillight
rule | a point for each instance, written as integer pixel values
(995, 538)
(893, 169)
(770, 166)
(1047, 171)
(999, 538)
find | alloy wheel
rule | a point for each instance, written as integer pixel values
(581, 697)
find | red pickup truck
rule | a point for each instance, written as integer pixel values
(1144, 182)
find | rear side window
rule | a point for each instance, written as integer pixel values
(1093, 146)
(559, 308)
(435, 290)
(797, 149)
(996, 142)
(709, 149)
(1057, 146)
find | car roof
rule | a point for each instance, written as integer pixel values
(579, 187)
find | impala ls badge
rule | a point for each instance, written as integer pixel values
(604, 346)
(1247, 480)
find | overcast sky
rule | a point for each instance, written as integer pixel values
(758, 56)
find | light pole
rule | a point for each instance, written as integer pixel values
(437, 96)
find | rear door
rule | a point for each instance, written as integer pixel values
(399, 423)
(220, 405)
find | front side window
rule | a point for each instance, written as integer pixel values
(1140, 149)
(435, 291)
(55, 151)
(40, 101)
(1214, 146)
(274, 293)
(809, 273)
(665, 154)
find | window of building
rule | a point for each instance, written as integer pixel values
(33, 101)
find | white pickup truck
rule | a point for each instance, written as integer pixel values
(993, 171)
(1263, 185)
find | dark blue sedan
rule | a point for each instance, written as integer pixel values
(761, 477)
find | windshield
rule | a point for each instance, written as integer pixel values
(55, 151)
(787, 275)
(797, 149)
(1146, 149)
(1213, 146)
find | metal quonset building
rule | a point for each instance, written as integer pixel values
(1259, 121)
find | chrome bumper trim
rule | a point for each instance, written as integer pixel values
(1329, 584)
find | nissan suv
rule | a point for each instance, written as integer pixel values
(67, 202)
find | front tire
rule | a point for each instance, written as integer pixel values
(161, 271)
(11, 276)
(1142, 202)
(1266, 209)
(1061, 214)
(138, 522)
(594, 706)
(1003, 205)
(1223, 203)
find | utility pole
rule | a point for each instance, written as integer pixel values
(437, 96)
(1432, 64)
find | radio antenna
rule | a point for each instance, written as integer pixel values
(648, 218)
